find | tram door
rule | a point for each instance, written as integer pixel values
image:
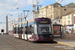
(23, 33)
(20, 33)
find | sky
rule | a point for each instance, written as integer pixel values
(9, 8)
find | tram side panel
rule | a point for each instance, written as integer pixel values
(20, 33)
(17, 35)
(30, 32)
(23, 35)
(14, 29)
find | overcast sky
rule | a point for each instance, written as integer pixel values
(7, 5)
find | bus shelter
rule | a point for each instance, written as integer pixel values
(57, 31)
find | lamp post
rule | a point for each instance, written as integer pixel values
(32, 8)
(18, 12)
(24, 14)
(59, 7)
(18, 21)
(21, 23)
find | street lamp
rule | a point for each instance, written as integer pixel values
(18, 12)
(21, 23)
(32, 8)
(18, 22)
(24, 14)
(59, 9)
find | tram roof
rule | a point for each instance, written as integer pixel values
(36, 19)
(28, 21)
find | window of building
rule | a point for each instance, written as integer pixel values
(49, 16)
(49, 11)
(59, 20)
(68, 17)
(52, 9)
(64, 9)
(69, 22)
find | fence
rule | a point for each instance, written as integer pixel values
(68, 36)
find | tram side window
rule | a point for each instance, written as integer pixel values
(22, 30)
(30, 29)
(25, 29)
(19, 30)
(14, 30)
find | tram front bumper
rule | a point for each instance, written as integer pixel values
(43, 39)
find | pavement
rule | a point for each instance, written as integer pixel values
(65, 42)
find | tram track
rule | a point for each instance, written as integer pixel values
(18, 42)
(11, 44)
(24, 44)
(34, 47)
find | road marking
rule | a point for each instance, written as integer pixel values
(65, 44)
(11, 43)
(5, 46)
(24, 44)
(51, 46)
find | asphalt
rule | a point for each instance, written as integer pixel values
(8, 42)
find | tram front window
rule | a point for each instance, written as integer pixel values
(44, 29)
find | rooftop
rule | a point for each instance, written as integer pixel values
(70, 5)
(56, 4)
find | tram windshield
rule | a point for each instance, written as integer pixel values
(44, 29)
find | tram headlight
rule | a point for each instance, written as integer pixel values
(40, 36)
(50, 35)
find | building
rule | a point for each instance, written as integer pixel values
(42, 12)
(55, 11)
(68, 21)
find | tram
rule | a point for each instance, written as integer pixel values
(37, 29)
(14, 31)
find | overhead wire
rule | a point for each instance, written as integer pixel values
(12, 9)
